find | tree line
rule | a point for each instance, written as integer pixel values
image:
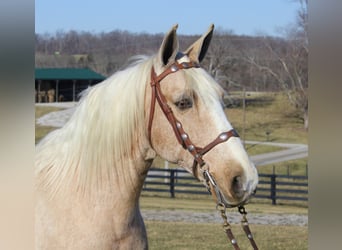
(108, 52)
(253, 63)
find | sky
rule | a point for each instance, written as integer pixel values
(243, 17)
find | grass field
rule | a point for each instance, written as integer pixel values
(188, 236)
(184, 235)
(206, 204)
(277, 117)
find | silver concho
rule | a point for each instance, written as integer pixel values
(179, 125)
(223, 137)
(184, 136)
(174, 68)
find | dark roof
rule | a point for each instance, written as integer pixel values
(66, 74)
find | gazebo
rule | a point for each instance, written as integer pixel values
(63, 84)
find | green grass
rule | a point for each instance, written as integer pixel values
(294, 167)
(279, 118)
(261, 149)
(187, 236)
(207, 204)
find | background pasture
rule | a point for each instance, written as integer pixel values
(180, 235)
(194, 235)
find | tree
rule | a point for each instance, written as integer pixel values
(224, 61)
(287, 62)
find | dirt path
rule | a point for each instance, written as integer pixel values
(292, 151)
(57, 118)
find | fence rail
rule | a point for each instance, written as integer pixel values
(271, 186)
(282, 187)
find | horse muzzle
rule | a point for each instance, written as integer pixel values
(237, 195)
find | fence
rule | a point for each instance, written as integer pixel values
(173, 181)
(271, 186)
(282, 187)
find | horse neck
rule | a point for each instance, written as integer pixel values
(126, 186)
(120, 190)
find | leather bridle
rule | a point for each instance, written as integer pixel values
(197, 152)
(182, 137)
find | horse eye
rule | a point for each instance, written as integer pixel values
(184, 103)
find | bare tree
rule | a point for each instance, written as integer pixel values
(224, 61)
(287, 62)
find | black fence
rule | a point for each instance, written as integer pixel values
(173, 181)
(271, 186)
(282, 187)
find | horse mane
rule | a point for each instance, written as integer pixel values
(98, 137)
(105, 130)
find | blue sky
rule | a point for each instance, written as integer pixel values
(248, 17)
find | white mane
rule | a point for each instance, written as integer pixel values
(96, 139)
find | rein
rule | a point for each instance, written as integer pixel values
(197, 152)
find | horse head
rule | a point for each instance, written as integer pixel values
(187, 124)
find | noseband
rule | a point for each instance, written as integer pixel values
(182, 137)
(197, 152)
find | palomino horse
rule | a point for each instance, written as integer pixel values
(89, 173)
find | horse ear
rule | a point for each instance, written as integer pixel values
(198, 49)
(169, 47)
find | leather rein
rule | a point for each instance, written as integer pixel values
(197, 152)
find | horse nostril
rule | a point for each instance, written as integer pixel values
(237, 186)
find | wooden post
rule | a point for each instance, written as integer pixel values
(172, 183)
(57, 90)
(273, 189)
(39, 84)
(73, 90)
(166, 166)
